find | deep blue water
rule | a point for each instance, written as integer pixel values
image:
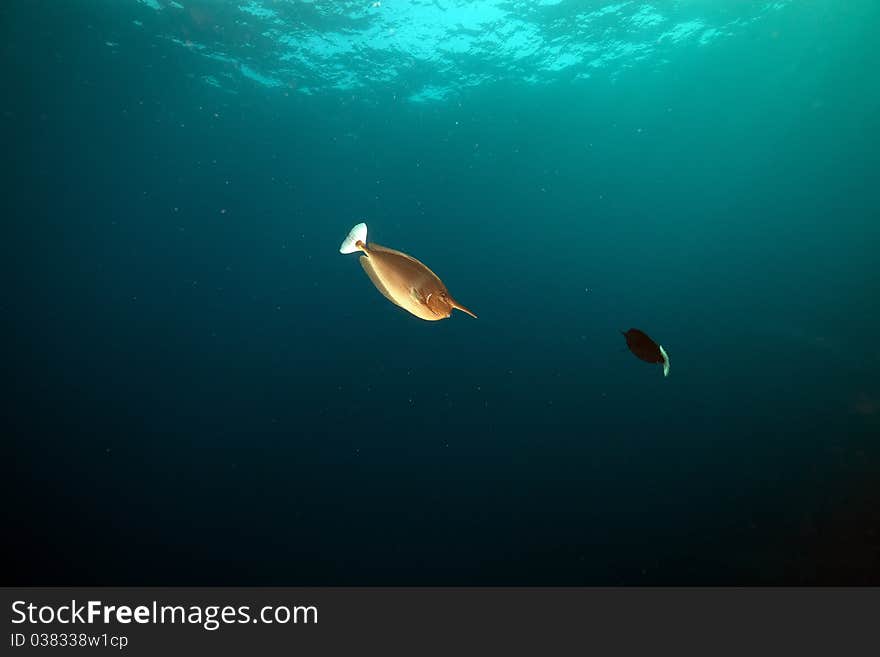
(202, 390)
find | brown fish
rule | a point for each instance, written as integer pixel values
(402, 279)
(646, 349)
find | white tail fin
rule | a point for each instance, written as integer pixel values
(357, 234)
(665, 360)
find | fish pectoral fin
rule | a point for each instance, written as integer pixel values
(424, 299)
(368, 268)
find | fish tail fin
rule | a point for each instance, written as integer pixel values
(456, 304)
(355, 235)
(665, 360)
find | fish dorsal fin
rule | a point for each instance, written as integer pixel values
(384, 249)
(368, 267)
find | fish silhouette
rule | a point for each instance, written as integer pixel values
(646, 349)
(402, 279)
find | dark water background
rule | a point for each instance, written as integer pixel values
(202, 390)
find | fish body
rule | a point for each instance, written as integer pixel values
(644, 348)
(403, 280)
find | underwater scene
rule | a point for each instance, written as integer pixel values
(441, 292)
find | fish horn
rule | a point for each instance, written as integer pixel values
(456, 304)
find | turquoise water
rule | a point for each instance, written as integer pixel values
(205, 391)
(434, 51)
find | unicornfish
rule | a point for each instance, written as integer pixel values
(646, 349)
(402, 279)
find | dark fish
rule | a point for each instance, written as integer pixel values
(646, 349)
(402, 279)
